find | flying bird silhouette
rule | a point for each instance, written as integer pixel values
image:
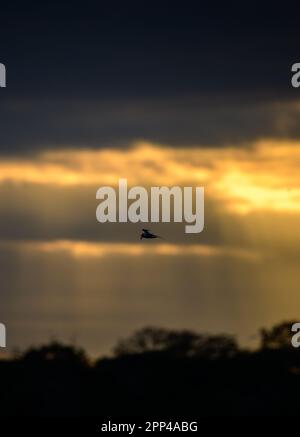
(147, 234)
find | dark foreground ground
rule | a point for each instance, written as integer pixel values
(156, 372)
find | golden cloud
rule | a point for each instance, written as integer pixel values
(264, 176)
(86, 249)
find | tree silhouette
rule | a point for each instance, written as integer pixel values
(156, 371)
(177, 343)
(277, 337)
(55, 354)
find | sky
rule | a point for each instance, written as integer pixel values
(167, 94)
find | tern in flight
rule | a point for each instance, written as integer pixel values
(147, 234)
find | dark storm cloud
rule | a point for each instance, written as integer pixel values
(30, 213)
(40, 124)
(84, 76)
(35, 213)
(111, 51)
